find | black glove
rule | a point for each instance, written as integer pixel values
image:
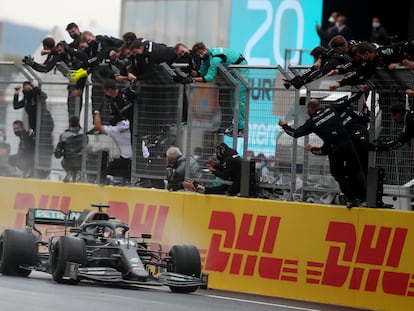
(385, 145)
(287, 84)
(182, 79)
(297, 82)
(381, 147)
(28, 60)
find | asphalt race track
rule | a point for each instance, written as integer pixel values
(40, 293)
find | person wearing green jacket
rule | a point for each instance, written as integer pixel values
(210, 60)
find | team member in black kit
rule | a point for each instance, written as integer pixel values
(344, 162)
(145, 55)
(98, 47)
(356, 124)
(372, 57)
(402, 116)
(227, 168)
(336, 57)
(121, 100)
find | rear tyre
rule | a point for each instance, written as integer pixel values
(17, 249)
(66, 249)
(186, 260)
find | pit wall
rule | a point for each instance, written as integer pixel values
(356, 257)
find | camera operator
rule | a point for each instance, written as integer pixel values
(228, 168)
(32, 97)
(176, 166)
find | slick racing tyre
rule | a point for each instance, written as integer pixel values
(17, 249)
(66, 249)
(185, 260)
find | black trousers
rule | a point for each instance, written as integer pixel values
(347, 170)
(119, 167)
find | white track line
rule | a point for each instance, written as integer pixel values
(262, 303)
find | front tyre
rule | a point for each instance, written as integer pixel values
(185, 260)
(17, 249)
(66, 249)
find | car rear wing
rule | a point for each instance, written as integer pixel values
(52, 217)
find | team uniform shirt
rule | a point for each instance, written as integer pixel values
(226, 57)
(121, 135)
(406, 135)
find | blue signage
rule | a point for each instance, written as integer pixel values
(263, 29)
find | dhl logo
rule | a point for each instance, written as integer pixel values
(256, 234)
(368, 263)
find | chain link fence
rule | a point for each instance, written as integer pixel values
(195, 116)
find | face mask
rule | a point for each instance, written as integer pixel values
(185, 55)
(74, 35)
(205, 57)
(331, 20)
(19, 133)
(375, 25)
(28, 93)
(93, 45)
(2, 139)
(337, 24)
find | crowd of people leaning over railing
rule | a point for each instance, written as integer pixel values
(114, 65)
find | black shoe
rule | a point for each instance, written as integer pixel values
(341, 199)
(354, 203)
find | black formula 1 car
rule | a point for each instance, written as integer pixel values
(93, 246)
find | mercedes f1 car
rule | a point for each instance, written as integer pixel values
(93, 246)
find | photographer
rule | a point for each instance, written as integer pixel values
(403, 116)
(176, 166)
(228, 168)
(33, 97)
